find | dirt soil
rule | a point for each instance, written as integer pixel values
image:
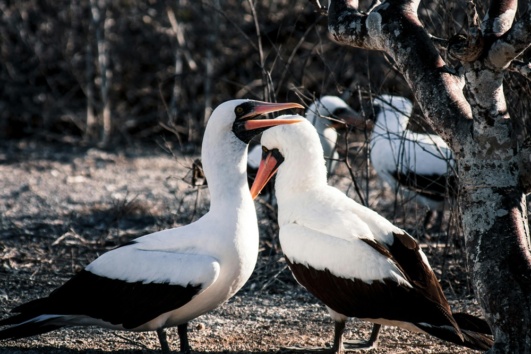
(62, 205)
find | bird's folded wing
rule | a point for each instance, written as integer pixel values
(346, 258)
(363, 279)
(148, 264)
(130, 286)
(430, 185)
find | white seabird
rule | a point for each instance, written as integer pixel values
(170, 277)
(348, 256)
(419, 165)
(326, 114)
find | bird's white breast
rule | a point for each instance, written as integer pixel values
(322, 229)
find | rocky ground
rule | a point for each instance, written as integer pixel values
(62, 205)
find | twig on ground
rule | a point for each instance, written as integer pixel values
(73, 235)
(129, 340)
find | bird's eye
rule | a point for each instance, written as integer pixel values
(239, 110)
(265, 152)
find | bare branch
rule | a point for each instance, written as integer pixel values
(394, 27)
(520, 67)
(512, 43)
(349, 26)
(101, 25)
(468, 48)
(374, 4)
(249, 41)
(292, 56)
(319, 8)
(439, 42)
(500, 17)
(268, 85)
(212, 38)
(178, 30)
(525, 165)
(91, 122)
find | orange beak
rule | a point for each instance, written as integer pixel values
(268, 168)
(262, 108)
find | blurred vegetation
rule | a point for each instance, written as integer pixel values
(98, 71)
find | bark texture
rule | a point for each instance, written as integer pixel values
(465, 104)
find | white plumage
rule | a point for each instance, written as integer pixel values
(326, 114)
(419, 165)
(170, 277)
(351, 258)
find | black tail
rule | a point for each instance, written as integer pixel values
(476, 340)
(22, 327)
(27, 329)
(468, 337)
(471, 323)
(25, 324)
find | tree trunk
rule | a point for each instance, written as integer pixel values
(466, 106)
(495, 214)
(90, 133)
(101, 25)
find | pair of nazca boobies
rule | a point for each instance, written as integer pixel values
(351, 258)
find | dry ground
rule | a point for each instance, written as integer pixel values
(61, 206)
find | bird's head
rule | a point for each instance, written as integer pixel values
(392, 111)
(297, 148)
(247, 118)
(398, 104)
(332, 111)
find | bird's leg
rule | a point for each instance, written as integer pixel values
(163, 342)
(339, 328)
(372, 343)
(439, 221)
(427, 220)
(373, 340)
(436, 229)
(182, 329)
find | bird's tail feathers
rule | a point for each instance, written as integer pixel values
(22, 326)
(466, 338)
(472, 323)
(477, 340)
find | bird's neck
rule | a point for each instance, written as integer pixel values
(224, 163)
(300, 176)
(328, 138)
(390, 122)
